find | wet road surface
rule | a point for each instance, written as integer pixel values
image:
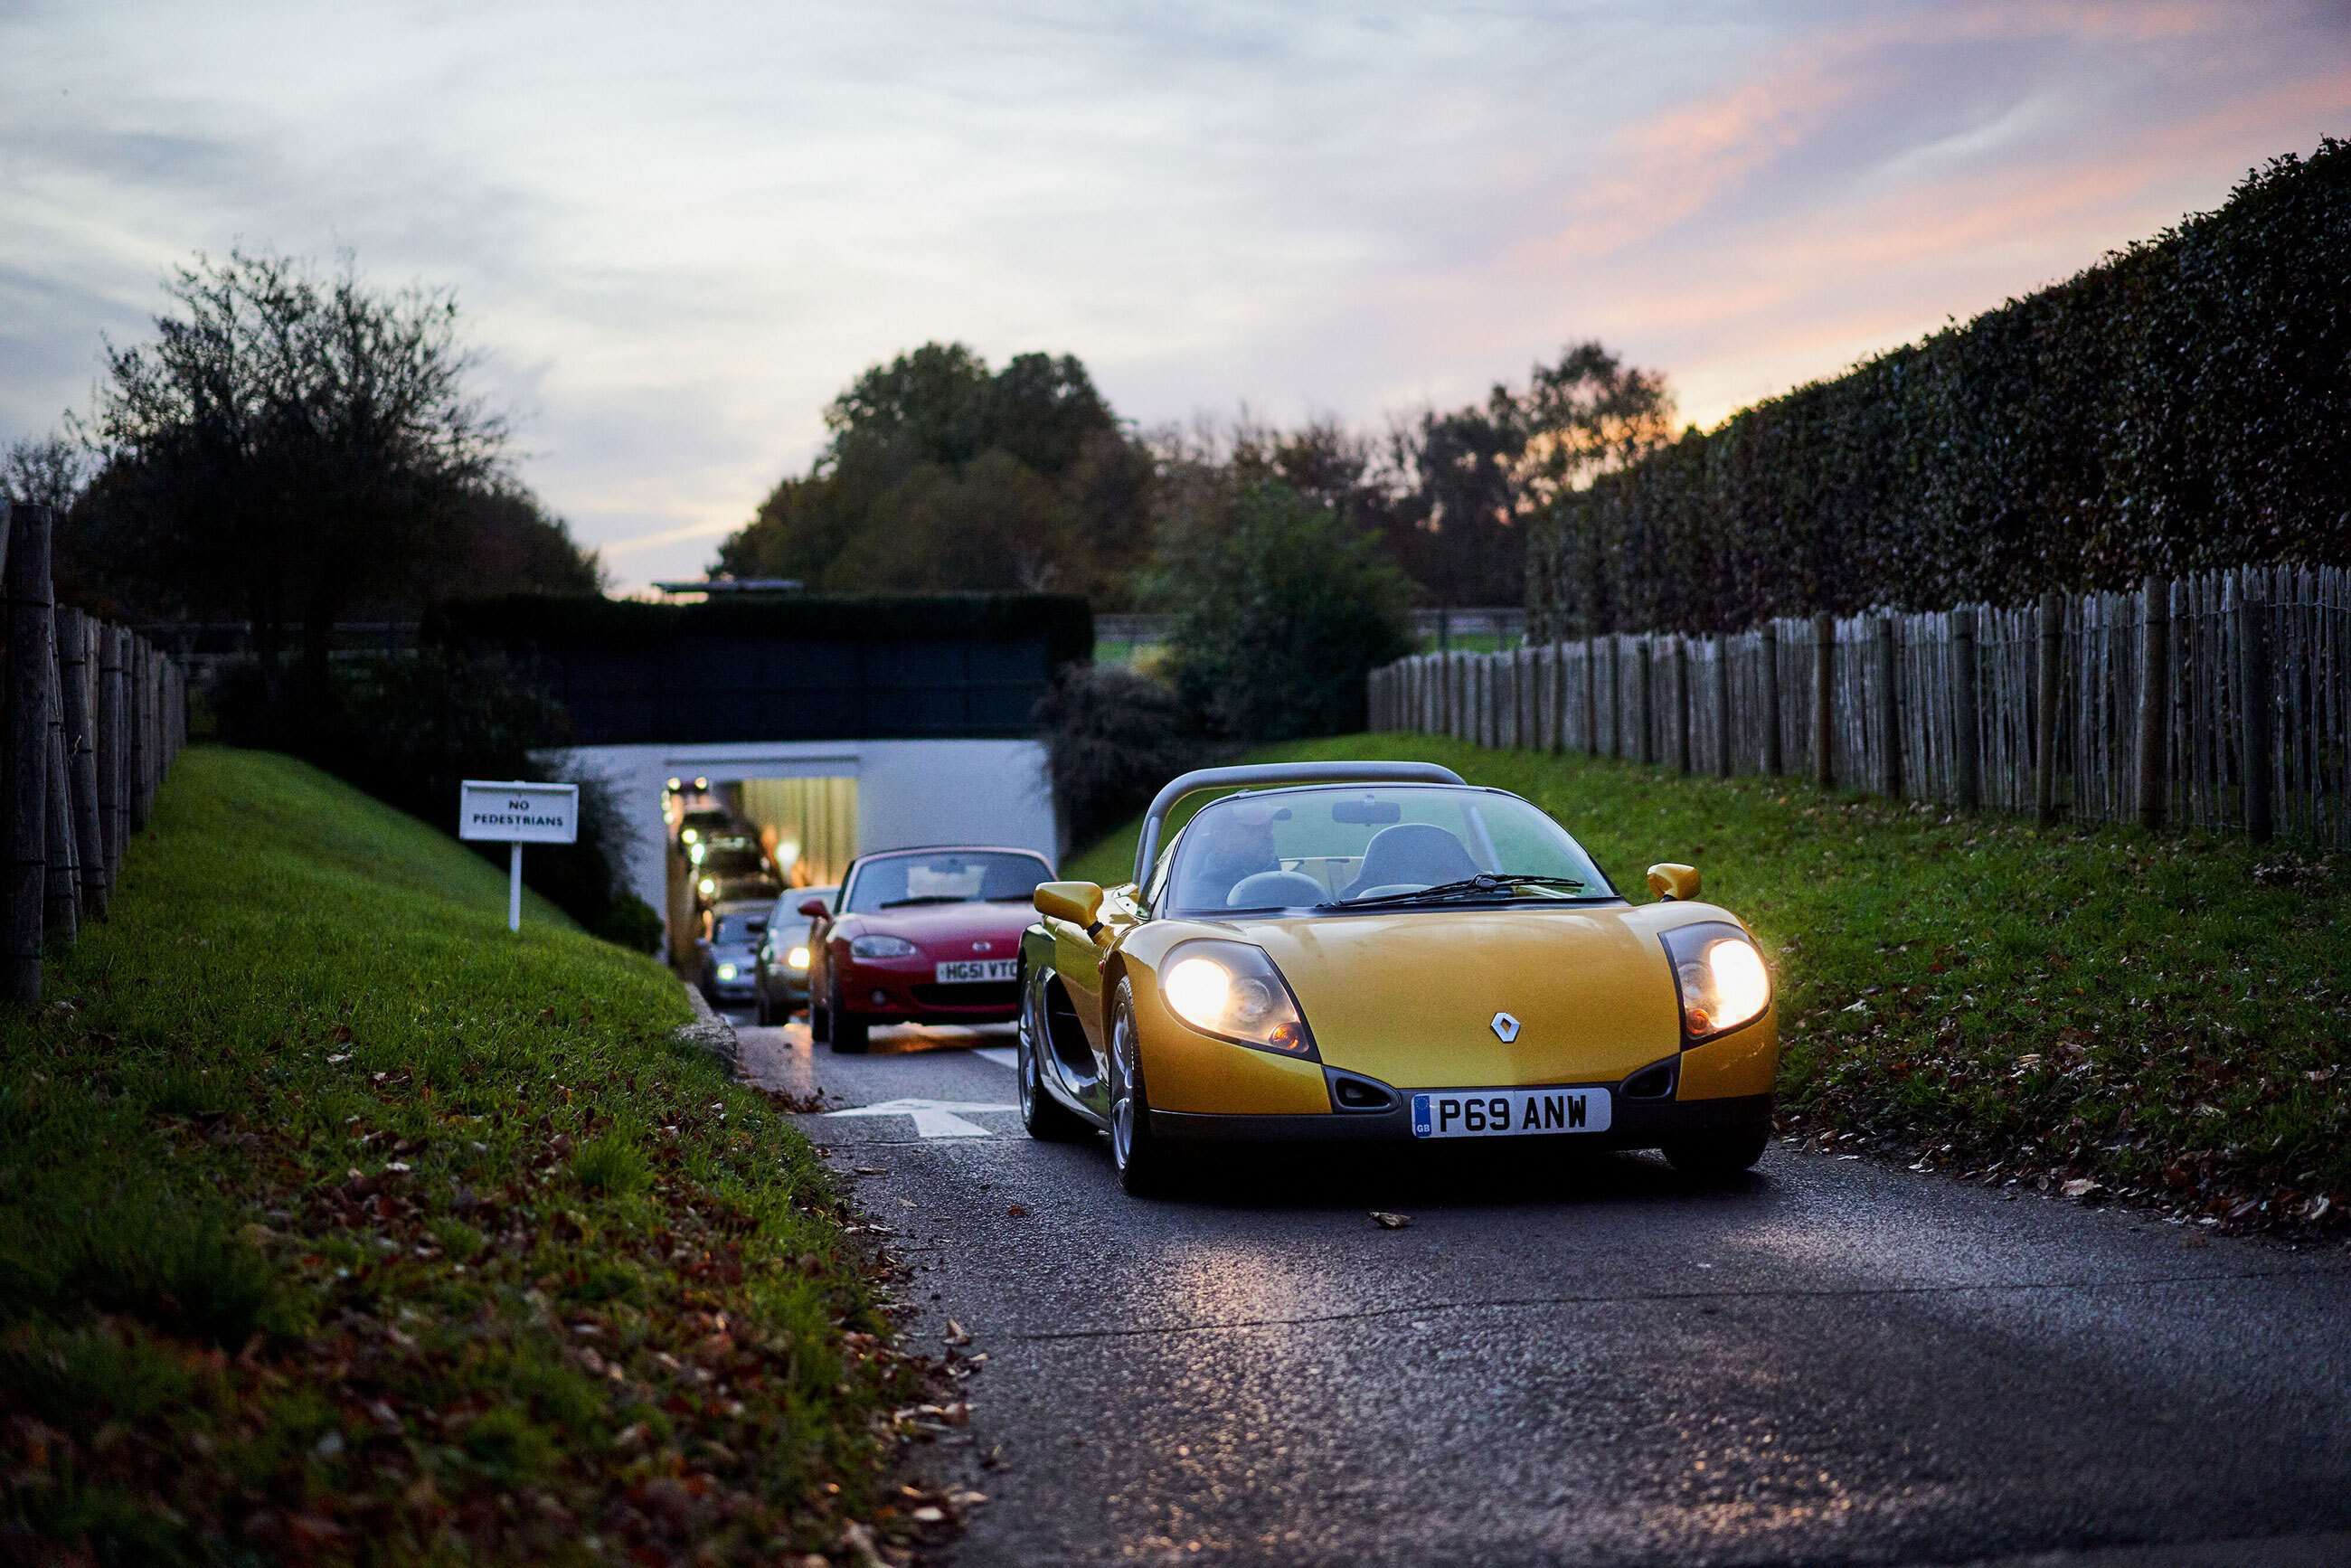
(1582, 1362)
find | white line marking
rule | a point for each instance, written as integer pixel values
(932, 1118)
(1004, 1056)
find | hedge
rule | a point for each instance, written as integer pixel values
(525, 622)
(2183, 406)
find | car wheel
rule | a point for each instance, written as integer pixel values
(1145, 1163)
(761, 1013)
(845, 1029)
(1719, 1157)
(1046, 1118)
(820, 1021)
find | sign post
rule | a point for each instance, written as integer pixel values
(518, 813)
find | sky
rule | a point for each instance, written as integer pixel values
(676, 231)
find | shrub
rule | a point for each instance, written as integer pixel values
(2181, 406)
(1280, 608)
(1115, 737)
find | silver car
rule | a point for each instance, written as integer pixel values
(729, 946)
(783, 972)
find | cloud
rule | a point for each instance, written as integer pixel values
(676, 234)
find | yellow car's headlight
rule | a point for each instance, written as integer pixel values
(1723, 979)
(1232, 990)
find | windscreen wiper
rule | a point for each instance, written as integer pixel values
(923, 898)
(1484, 881)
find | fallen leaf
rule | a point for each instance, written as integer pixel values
(956, 1334)
(2079, 1188)
(1387, 1221)
(1017, 1211)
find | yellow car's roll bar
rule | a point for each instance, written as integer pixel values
(1146, 848)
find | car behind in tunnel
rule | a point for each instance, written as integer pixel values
(921, 936)
(782, 986)
(729, 948)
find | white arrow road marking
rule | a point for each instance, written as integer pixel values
(932, 1118)
(1002, 1055)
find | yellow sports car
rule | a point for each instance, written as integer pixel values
(1373, 950)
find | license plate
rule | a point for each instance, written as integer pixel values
(1509, 1112)
(963, 971)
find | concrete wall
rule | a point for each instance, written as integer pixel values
(908, 791)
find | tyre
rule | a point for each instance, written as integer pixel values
(761, 1013)
(1719, 1157)
(1046, 1118)
(1146, 1165)
(844, 1028)
(820, 1019)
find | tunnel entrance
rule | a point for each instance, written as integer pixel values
(727, 842)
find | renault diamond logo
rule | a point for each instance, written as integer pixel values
(1505, 1027)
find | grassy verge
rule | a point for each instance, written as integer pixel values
(2162, 1018)
(337, 1222)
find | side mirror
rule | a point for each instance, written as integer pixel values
(1076, 902)
(1667, 879)
(814, 908)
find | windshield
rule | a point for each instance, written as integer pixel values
(736, 929)
(1301, 849)
(943, 876)
(787, 908)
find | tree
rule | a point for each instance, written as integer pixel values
(45, 471)
(940, 474)
(291, 444)
(1280, 606)
(1472, 479)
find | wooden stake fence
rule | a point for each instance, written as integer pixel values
(94, 716)
(2220, 702)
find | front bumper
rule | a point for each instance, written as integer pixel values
(906, 991)
(1637, 1121)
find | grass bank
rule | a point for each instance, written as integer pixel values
(337, 1222)
(2160, 1016)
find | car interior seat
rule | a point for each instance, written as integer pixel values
(1412, 854)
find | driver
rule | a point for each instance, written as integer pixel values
(1239, 844)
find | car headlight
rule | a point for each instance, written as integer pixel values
(725, 971)
(694, 852)
(687, 835)
(708, 886)
(797, 958)
(1232, 990)
(1723, 979)
(881, 947)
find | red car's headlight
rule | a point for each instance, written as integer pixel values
(1232, 990)
(881, 947)
(1723, 979)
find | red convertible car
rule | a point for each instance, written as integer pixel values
(929, 936)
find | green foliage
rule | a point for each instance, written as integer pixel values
(2159, 1014)
(1114, 736)
(942, 475)
(2185, 405)
(1280, 606)
(331, 1213)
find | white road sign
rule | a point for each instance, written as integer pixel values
(518, 813)
(510, 812)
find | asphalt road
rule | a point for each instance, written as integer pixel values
(1586, 1361)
